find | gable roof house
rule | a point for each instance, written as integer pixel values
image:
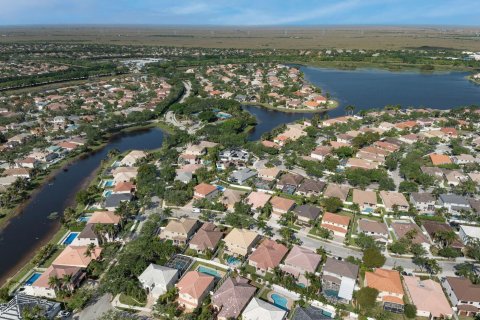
(267, 256)
(193, 288)
(258, 309)
(257, 200)
(393, 199)
(463, 294)
(281, 205)
(114, 200)
(206, 238)
(336, 191)
(132, 157)
(389, 286)
(232, 297)
(300, 261)
(427, 295)
(269, 174)
(402, 227)
(366, 200)
(454, 203)
(289, 181)
(336, 223)
(158, 279)
(310, 187)
(307, 213)
(230, 197)
(375, 229)
(424, 202)
(180, 231)
(239, 242)
(340, 277)
(241, 176)
(205, 191)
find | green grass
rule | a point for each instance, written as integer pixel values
(126, 299)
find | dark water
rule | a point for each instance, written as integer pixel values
(31, 227)
(367, 88)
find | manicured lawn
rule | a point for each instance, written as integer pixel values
(125, 299)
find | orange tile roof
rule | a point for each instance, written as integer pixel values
(104, 217)
(282, 203)
(194, 284)
(74, 256)
(268, 254)
(439, 159)
(336, 218)
(124, 187)
(205, 188)
(384, 280)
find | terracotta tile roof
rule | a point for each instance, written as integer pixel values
(427, 295)
(282, 203)
(232, 297)
(303, 258)
(268, 254)
(194, 284)
(258, 199)
(124, 187)
(241, 237)
(207, 237)
(384, 280)
(74, 256)
(439, 159)
(204, 188)
(336, 219)
(104, 217)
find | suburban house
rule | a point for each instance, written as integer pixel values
(424, 202)
(300, 261)
(392, 200)
(338, 280)
(310, 187)
(257, 199)
(232, 297)
(239, 242)
(113, 201)
(336, 223)
(289, 182)
(439, 159)
(268, 174)
(366, 200)
(469, 233)
(206, 238)
(453, 202)
(42, 286)
(464, 295)
(158, 279)
(307, 213)
(267, 256)
(193, 288)
(179, 231)
(132, 157)
(230, 197)
(336, 191)
(309, 313)
(434, 227)
(281, 205)
(402, 227)
(258, 309)
(427, 295)
(87, 236)
(13, 310)
(320, 153)
(124, 174)
(77, 256)
(241, 176)
(389, 286)
(377, 230)
(205, 191)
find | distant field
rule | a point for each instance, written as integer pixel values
(256, 38)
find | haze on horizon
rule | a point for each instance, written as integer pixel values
(240, 12)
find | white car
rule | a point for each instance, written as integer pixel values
(196, 210)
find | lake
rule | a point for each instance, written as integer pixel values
(372, 88)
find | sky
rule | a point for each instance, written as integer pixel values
(241, 12)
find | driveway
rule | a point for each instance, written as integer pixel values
(96, 309)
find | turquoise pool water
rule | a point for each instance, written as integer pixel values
(32, 279)
(233, 261)
(279, 301)
(107, 193)
(108, 183)
(327, 313)
(69, 239)
(331, 293)
(301, 285)
(84, 219)
(209, 271)
(368, 210)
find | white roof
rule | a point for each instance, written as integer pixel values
(158, 275)
(346, 288)
(260, 310)
(472, 232)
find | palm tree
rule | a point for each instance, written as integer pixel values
(349, 109)
(54, 282)
(90, 250)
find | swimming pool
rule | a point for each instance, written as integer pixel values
(209, 271)
(331, 293)
(301, 285)
(69, 239)
(368, 210)
(108, 183)
(84, 219)
(32, 278)
(279, 301)
(327, 313)
(107, 193)
(233, 261)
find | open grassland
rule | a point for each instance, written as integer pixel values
(254, 37)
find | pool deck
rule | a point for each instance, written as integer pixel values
(289, 301)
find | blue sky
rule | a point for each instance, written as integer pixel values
(245, 12)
